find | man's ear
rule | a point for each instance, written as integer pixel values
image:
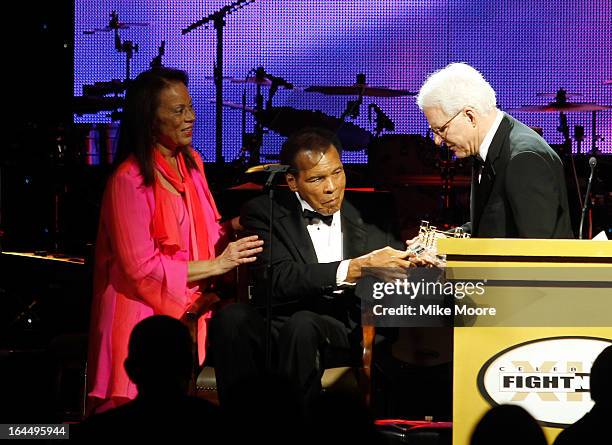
(291, 182)
(472, 116)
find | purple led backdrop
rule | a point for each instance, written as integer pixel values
(521, 47)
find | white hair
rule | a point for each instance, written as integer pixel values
(455, 87)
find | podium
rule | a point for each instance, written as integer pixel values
(552, 301)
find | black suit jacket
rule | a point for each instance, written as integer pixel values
(300, 282)
(522, 192)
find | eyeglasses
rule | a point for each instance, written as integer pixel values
(441, 131)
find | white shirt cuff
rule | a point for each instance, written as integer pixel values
(341, 274)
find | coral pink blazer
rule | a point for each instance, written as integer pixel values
(134, 280)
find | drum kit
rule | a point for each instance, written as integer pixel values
(108, 97)
(562, 105)
(284, 120)
(397, 159)
(100, 139)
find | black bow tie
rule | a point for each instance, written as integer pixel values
(310, 215)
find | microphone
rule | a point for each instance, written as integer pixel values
(270, 168)
(383, 122)
(261, 73)
(592, 164)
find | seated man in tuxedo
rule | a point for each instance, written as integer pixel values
(518, 184)
(319, 247)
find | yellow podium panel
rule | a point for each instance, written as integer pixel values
(476, 350)
(554, 316)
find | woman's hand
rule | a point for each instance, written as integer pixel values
(236, 253)
(239, 252)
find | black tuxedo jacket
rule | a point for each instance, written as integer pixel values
(300, 282)
(522, 192)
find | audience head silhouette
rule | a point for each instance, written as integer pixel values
(592, 427)
(159, 362)
(601, 377)
(160, 357)
(508, 424)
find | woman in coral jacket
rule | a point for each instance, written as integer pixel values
(159, 240)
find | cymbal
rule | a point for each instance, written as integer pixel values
(263, 82)
(561, 108)
(250, 186)
(236, 106)
(94, 104)
(565, 93)
(251, 80)
(356, 89)
(118, 25)
(287, 120)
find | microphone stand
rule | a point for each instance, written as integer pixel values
(269, 269)
(218, 20)
(126, 46)
(383, 122)
(251, 142)
(272, 169)
(157, 60)
(352, 106)
(592, 164)
(258, 130)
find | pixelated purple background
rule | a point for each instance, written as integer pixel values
(521, 47)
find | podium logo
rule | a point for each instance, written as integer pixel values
(549, 377)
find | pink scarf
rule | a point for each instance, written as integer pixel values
(203, 223)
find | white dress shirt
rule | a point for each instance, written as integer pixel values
(486, 142)
(327, 241)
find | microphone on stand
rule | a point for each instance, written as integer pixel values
(270, 168)
(383, 122)
(592, 164)
(261, 73)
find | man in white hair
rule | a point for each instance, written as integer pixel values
(518, 184)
